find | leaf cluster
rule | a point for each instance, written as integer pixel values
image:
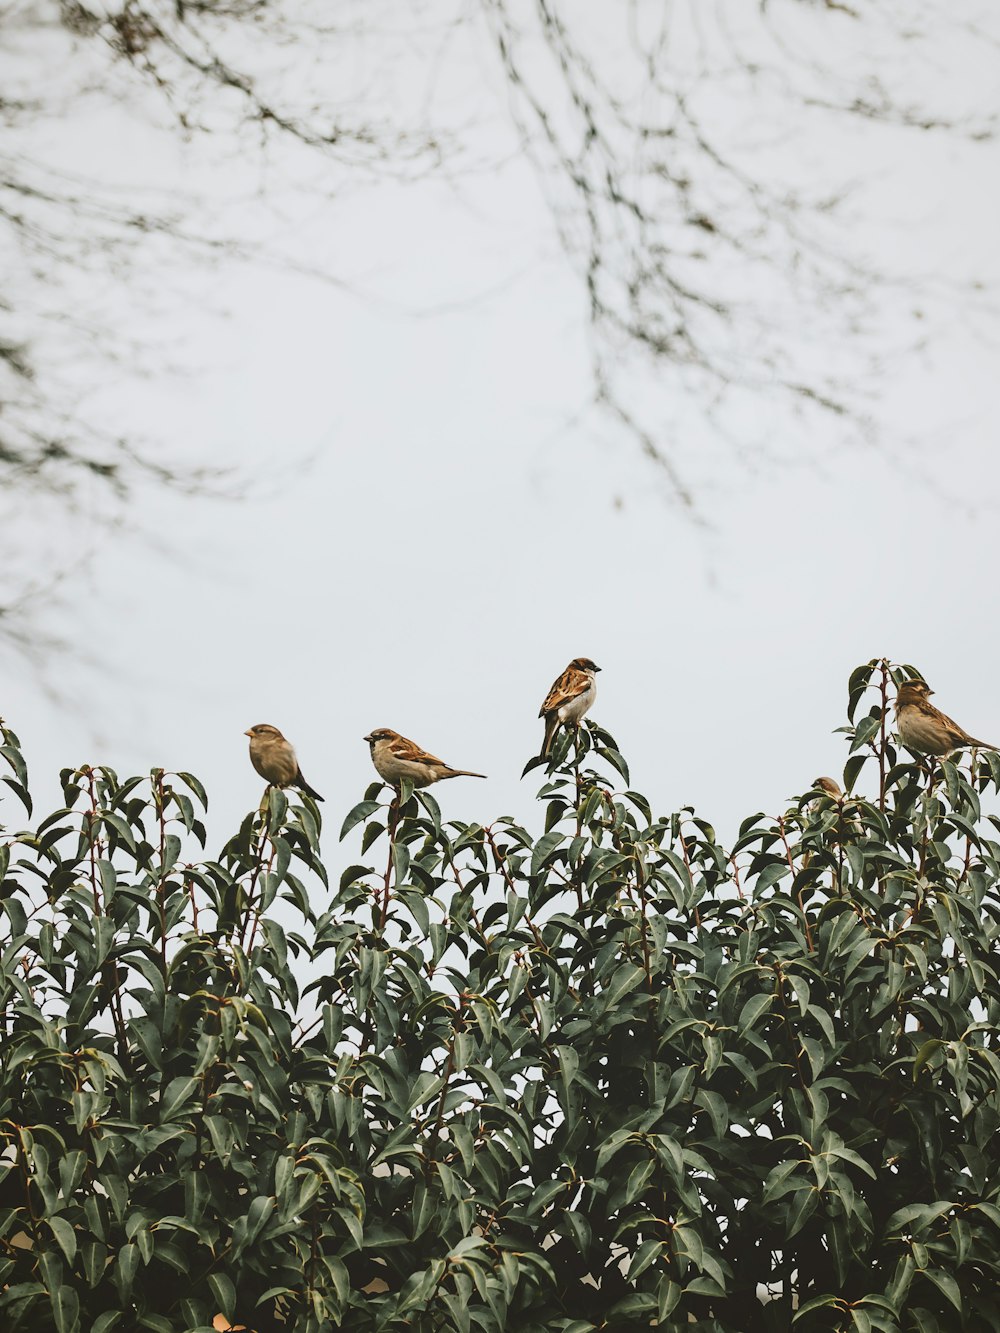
(603, 1074)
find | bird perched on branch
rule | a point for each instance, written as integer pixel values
(924, 728)
(396, 758)
(832, 789)
(570, 697)
(274, 759)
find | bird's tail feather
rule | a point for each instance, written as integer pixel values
(551, 727)
(302, 785)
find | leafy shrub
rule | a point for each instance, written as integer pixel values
(605, 1076)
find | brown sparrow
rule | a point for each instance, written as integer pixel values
(570, 697)
(924, 728)
(396, 758)
(274, 759)
(833, 791)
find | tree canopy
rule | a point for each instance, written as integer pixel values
(595, 1071)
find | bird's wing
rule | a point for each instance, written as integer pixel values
(956, 734)
(962, 737)
(570, 685)
(412, 753)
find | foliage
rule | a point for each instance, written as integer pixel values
(599, 1076)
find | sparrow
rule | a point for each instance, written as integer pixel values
(396, 758)
(274, 759)
(835, 792)
(924, 728)
(570, 697)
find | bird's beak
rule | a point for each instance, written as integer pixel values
(597, 668)
(248, 733)
(367, 738)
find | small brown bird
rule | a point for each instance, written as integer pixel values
(570, 697)
(274, 759)
(924, 728)
(396, 758)
(832, 789)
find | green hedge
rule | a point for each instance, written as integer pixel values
(605, 1075)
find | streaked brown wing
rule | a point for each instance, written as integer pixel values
(569, 685)
(956, 735)
(412, 753)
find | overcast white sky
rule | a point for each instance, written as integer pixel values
(437, 522)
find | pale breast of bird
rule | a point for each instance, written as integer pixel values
(575, 708)
(391, 766)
